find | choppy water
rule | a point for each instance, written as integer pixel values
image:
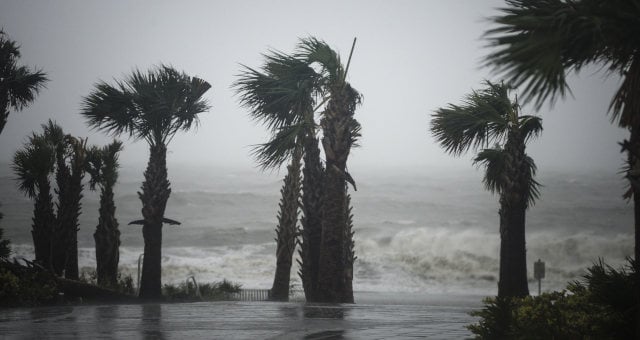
(427, 233)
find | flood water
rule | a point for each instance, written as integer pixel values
(377, 317)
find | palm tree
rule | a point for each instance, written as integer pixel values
(282, 95)
(18, 84)
(102, 166)
(489, 116)
(153, 107)
(18, 88)
(69, 172)
(536, 44)
(32, 166)
(340, 132)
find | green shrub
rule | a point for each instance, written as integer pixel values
(208, 291)
(23, 287)
(601, 306)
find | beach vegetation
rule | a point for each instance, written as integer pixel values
(102, 166)
(490, 117)
(215, 291)
(152, 106)
(537, 44)
(600, 306)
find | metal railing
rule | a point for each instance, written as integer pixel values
(251, 295)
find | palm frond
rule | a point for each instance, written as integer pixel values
(530, 126)
(494, 161)
(152, 106)
(19, 85)
(33, 163)
(483, 118)
(533, 186)
(281, 93)
(537, 43)
(275, 152)
(317, 51)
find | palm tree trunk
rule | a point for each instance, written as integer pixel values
(286, 230)
(311, 221)
(43, 222)
(107, 237)
(336, 144)
(513, 205)
(349, 253)
(154, 196)
(633, 175)
(72, 223)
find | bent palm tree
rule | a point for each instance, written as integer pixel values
(340, 133)
(537, 44)
(282, 96)
(32, 165)
(18, 84)
(102, 166)
(153, 107)
(488, 116)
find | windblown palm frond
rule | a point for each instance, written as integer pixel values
(494, 161)
(18, 84)
(101, 164)
(533, 192)
(281, 93)
(530, 126)
(151, 106)
(317, 51)
(481, 120)
(537, 43)
(275, 152)
(33, 163)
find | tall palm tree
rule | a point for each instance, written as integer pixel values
(489, 116)
(154, 107)
(282, 95)
(18, 88)
(69, 172)
(340, 132)
(18, 84)
(537, 43)
(102, 166)
(32, 165)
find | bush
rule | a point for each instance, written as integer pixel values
(25, 286)
(124, 282)
(208, 291)
(602, 306)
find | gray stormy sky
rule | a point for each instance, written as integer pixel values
(411, 58)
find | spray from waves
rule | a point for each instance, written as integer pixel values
(420, 259)
(440, 260)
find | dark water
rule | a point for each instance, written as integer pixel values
(377, 317)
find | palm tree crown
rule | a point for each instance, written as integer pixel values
(151, 106)
(485, 118)
(18, 84)
(537, 43)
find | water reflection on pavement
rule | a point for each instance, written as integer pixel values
(240, 320)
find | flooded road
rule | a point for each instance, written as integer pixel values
(379, 319)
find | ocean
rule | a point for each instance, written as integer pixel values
(420, 233)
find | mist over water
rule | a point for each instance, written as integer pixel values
(429, 233)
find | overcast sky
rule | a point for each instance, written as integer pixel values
(411, 58)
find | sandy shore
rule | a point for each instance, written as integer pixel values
(375, 316)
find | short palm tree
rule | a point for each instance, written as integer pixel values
(486, 117)
(18, 84)
(537, 43)
(154, 107)
(340, 132)
(102, 166)
(32, 165)
(281, 95)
